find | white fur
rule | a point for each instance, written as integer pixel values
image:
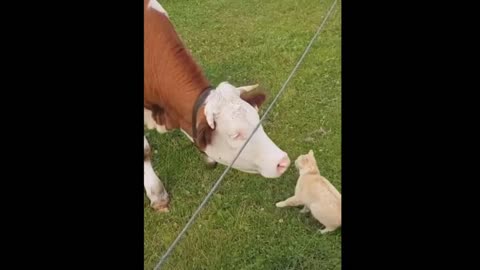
(154, 4)
(153, 186)
(231, 114)
(228, 113)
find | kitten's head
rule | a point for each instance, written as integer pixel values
(306, 162)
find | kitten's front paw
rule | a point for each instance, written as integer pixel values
(280, 204)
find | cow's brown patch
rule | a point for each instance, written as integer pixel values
(172, 78)
(204, 131)
(147, 154)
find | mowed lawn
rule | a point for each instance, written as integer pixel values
(247, 42)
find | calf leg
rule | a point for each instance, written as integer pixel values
(153, 186)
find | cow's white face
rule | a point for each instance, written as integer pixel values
(233, 120)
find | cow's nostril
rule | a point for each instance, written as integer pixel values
(283, 165)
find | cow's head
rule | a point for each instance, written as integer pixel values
(231, 116)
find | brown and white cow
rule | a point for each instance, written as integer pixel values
(225, 116)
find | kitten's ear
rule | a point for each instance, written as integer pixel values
(311, 153)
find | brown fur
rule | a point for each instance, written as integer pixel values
(147, 154)
(204, 131)
(172, 78)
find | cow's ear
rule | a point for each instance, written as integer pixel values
(255, 97)
(247, 88)
(211, 109)
(204, 132)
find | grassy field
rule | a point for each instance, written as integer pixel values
(246, 42)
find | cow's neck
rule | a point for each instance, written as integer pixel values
(178, 102)
(184, 88)
(173, 80)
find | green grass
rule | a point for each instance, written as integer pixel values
(247, 42)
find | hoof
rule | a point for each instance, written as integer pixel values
(209, 163)
(161, 206)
